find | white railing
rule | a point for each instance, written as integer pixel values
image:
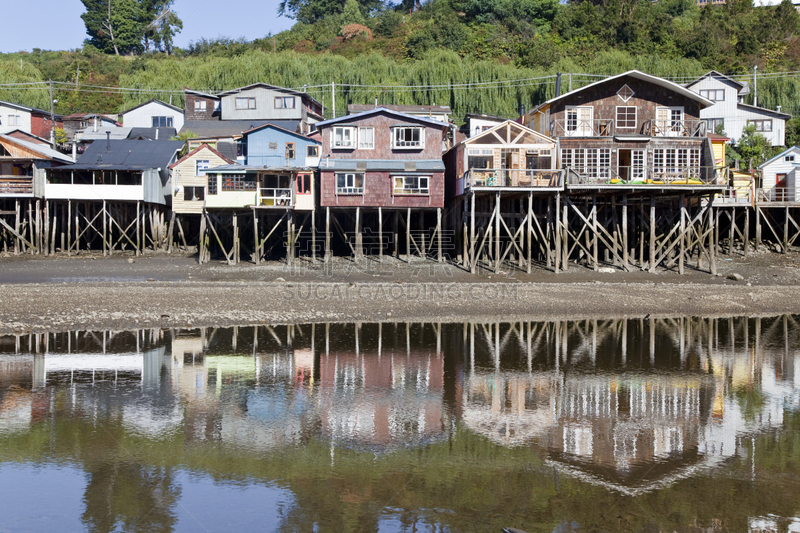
(733, 196)
(777, 194)
(506, 177)
(349, 190)
(675, 128)
(582, 128)
(640, 175)
(14, 185)
(276, 197)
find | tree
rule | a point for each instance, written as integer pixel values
(163, 25)
(352, 13)
(753, 146)
(311, 11)
(114, 25)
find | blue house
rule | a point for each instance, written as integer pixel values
(272, 146)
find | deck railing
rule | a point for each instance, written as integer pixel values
(641, 175)
(16, 185)
(733, 196)
(582, 128)
(777, 194)
(675, 128)
(506, 177)
(276, 197)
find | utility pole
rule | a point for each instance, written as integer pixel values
(333, 99)
(755, 86)
(52, 118)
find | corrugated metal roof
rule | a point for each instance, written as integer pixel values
(164, 134)
(439, 109)
(231, 128)
(45, 151)
(127, 155)
(413, 118)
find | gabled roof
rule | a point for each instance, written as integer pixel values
(716, 137)
(795, 149)
(765, 111)
(199, 93)
(506, 133)
(273, 126)
(272, 87)
(27, 136)
(35, 110)
(127, 155)
(193, 152)
(215, 129)
(152, 134)
(716, 75)
(661, 82)
(44, 151)
(374, 111)
(154, 101)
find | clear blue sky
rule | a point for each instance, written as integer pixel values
(57, 24)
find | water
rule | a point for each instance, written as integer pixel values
(686, 424)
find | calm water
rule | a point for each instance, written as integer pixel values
(642, 425)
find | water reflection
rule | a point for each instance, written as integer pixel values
(389, 426)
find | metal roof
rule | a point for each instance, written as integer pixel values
(152, 134)
(438, 109)
(45, 151)
(268, 86)
(214, 129)
(252, 168)
(402, 165)
(31, 109)
(153, 101)
(398, 114)
(127, 154)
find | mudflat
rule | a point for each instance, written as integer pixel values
(159, 290)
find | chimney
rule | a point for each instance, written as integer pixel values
(108, 141)
(156, 133)
(95, 123)
(376, 101)
(74, 151)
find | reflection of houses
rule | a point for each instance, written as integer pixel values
(382, 401)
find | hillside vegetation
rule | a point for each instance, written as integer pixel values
(489, 56)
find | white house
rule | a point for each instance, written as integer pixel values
(477, 124)
(779, 176)
(153, 114)
(730, 111)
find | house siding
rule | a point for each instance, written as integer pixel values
(191, 113)
(265, 106)
(142, 117)
(260, 154)
(770, 171)
(383, 140)
(379, 191)
(185, 174)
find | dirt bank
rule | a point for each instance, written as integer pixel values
(157, 290)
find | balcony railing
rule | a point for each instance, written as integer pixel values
(582, 128)
(15, 185)
(276, 197)
(777, 194)
(641, 175)
(506, 177)
(675, 128)
(733, 196)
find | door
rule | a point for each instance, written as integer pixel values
(624, 165)
(780, 188)
(579, 121)
(669, 121)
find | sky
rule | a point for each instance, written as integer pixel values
(57, 24)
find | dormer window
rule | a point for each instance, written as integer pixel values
(408, 137)
(626, 93)
(343, 137)
(715, 95)
(789, 159)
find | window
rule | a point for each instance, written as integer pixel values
(201, 164)
(193, 194)
(245, 103)
(199, 105)
(761, 125)
(349, 183)
(312, 150)
(13, 120)
(579, 121)
(480, 158)
(366, 138)
(626, 117)
(303, 184)
(676, 162)
(713, 123)
(212, 183)
(625, 92)
(715, 95)
(594, 163)
(343, 137)
(238, 182)
(284, 102)
(273, 146)
(408, 137)
(411, 184)
(669, 121)
(290, 151)
(162, 122)
(789, 158)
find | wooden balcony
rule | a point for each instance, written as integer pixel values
(276, 198)
(642, 176)
(11, 185)
(582, 128)
(675, 128)
(490, 178)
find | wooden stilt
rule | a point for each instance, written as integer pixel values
(786, 231)
(652, 233)
(565, 240)
(202, 243)
(472, 259)
(746, 247)
(359, 238)
(439, 255)
(497, 215)
(625, 258)
(529, 234)
(712, 238)
(314, 235)
(731, 230)
(682, 250)
(327, 234)
(408, 236)
(16, 228)
(256, 243)
(380, 235)
(557, 231)
(595, 258)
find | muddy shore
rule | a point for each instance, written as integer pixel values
(159, 290)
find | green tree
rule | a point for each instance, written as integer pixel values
(311, 11)
(114, 25)
(162, 26)
(753, 146)
(352, 13)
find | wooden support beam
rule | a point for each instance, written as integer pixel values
(314, 235)
(472, 260)
(327, 235)
(530, 236)
(256, 244)
(556, 219)
(652, 234)
(408, 236)
(746, 238)
(595, 263)
(439, 255)
(497, 218)
(380, 235)
(758, 226)
(359, 252)
(625, 258)
(682, 252)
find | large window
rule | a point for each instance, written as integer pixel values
(193, 194)
(303, 183)
(676, 162)
(626, 117)
(594, 163)
(199, 105)
(479, 158)
(713, 123)
(239, 182)
(715, 95)
(212, 183)
(343, 137)
(349, 183)
(245, 103)
(312, 150)
(284, 102)
(162, 122)
(366, 138)
(408, 137)
(761, 125)
(579, 121)
(411, 184)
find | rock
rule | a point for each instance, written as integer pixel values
(778, 248)
(150, 279)
(131, 260)
(279, 279)
(606, 270)
(735, 277)
(749, 284)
